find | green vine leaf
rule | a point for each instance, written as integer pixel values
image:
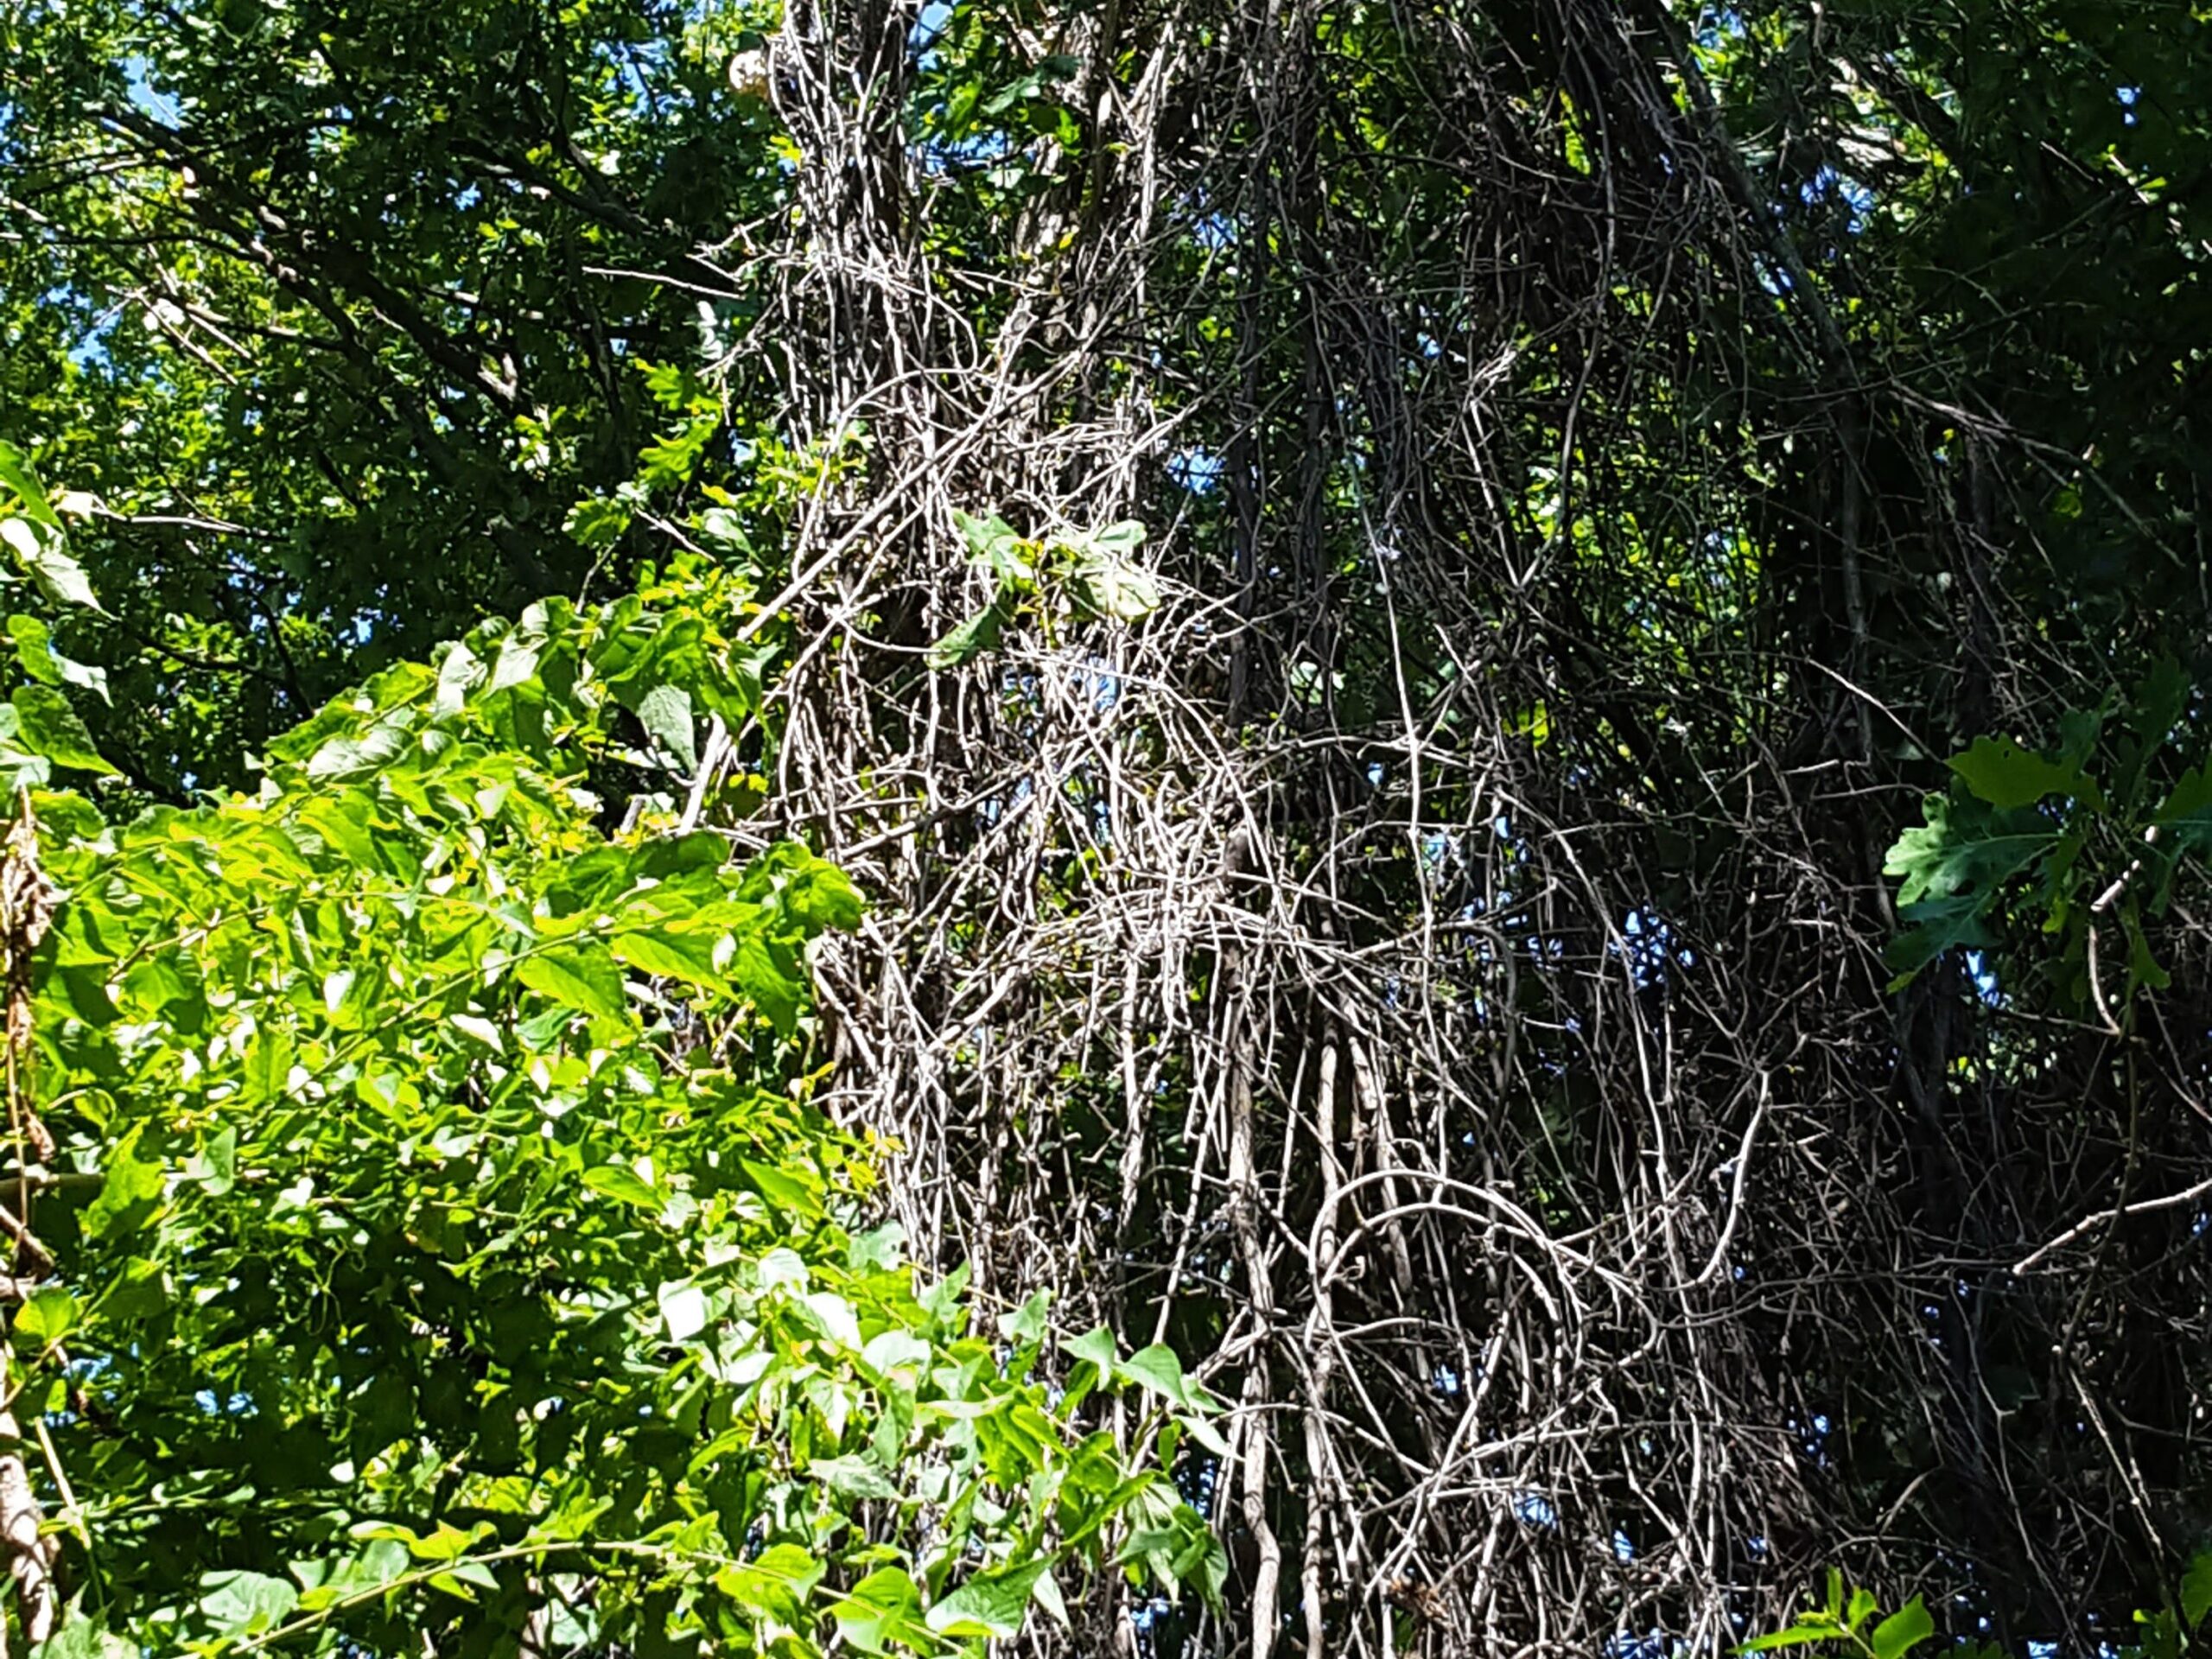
(970, 639)
(580, 977)
(51, 727)
(1903, 1631)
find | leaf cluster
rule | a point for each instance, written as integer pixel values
(446, 1236)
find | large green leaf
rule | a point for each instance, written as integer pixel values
(22, 479)
(665, 713)
(686, 955)
(131, 1192)
(993, 544)
(34, 650)
(583, 977)
(247, 1603)
(882, 1613)
(51, 727)
(1954, 872)
(1903, 1631)
(2001, 772)
(2196, 1589)
(970, 639)
(42, 552)
(993, 1604)
(854, 1476)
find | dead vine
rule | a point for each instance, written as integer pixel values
(1428, 970)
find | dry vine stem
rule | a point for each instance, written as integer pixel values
(1348, 975)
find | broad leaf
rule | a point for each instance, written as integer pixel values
(130, 1193)
(989, 1604)
(583, 977)
(1954, 870)
(51, 727)
(882, 1612)
(1903, 1631)
(665, 713)
(978, 635)
(2001, 772)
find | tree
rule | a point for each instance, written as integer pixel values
(337, 310)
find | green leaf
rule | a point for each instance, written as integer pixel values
(583, 977)
(834, 1313)
(520, 650)
(1046, 1592)
(791, 1190)
(665, 713)
(2142, 968)
(449, 1542)
(340, 822)
(978, 635)
(268, 1070)
(2188, 808)
(42, 554)
(882, 1610)
(50, 727)
(129, 1195)
(49, 1315)
(1903, 1631)
(458, 671)
(725, 529)
(771, 979)
(684, 954)
(1861, 1607)
(876, 1249)
(34, 643)
(778, 1581)
(20, 771)
(683, 1309)
(1807, 1630)
(990, 1604)
(352, 757)
(1119, 539)
(888, 1351)
(246, 1603)
(855, 1477)
(1203, 1431)
(456, 1580)
(1157, 1370)
(1954, 869)
(993, 544)
(618, 1182)
(2001, 772)
(477, 1028)
(385, 1532)
(1098, 1347)
(2196, 1590)
(1953, 852)
(1026, 1323)
(1112, 589)
(812, 895)
(84, 1636)
(2152, 715)
(140, 1292)
(598, 521)
(20, 476)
